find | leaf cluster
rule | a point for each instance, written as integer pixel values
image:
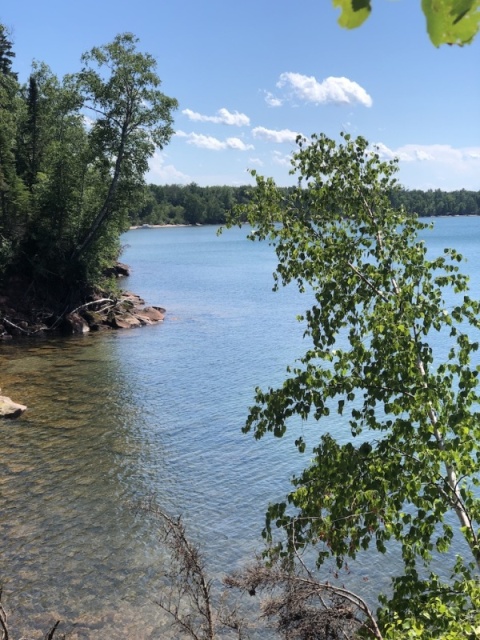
(448, 21)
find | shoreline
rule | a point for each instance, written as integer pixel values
(173, 226)
(161, 226)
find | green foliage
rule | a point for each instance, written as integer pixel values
(448, 21)
(167, 204)
(52, 160)
(132, 119)
(452, 22)
(353, 14)
(412, 461)
(6, 53)
(442, 611)
(68, 181)
(436, 202)
(13, 197)
(187, 204)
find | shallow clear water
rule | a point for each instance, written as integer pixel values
(115, 418)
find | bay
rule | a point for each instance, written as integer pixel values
(119, 417)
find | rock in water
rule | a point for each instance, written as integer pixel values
(10, 409)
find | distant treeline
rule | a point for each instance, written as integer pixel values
(191, 204)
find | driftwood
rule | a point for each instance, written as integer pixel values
(89, 304)
(24, 331)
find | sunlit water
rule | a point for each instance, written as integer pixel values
(114, 418)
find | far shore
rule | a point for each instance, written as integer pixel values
(198, 224)
(161, 226)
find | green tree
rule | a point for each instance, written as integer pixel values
(30, 146)
(53, 159)
(67, 179)
(195, 206)
(132, 118)
(411, 465)
(83, 173)
(6, 52)
(448, 21)
(13, 195)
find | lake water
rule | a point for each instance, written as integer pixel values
(117, 417)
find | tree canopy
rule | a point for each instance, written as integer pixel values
(402, 475)
(448, 21)
(73, 154)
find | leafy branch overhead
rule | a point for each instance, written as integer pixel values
(448, 21)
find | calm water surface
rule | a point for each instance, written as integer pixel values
(118, 417)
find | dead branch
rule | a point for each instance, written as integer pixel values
(303, 607)
(188, 598)
(3, 620)
(4, 625)
(49, 635)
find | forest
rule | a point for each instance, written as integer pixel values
(192, 204)
(73, 154)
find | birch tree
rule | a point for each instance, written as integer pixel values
(131, 118)
(407, 477)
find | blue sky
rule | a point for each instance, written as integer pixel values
(250, 75)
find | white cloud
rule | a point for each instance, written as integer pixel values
(436, 164)
(271, 135)
(282, 159)
(272, 100)
(223, 117)
(256, 161)
(237, 119)
(193, 115)
(386, 153)
(162, 173)
(236, 143)
(214, 144)
(330, 91)
(205, 142)
(423, 155)
(441, 153)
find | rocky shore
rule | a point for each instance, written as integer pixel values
(24, 314)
